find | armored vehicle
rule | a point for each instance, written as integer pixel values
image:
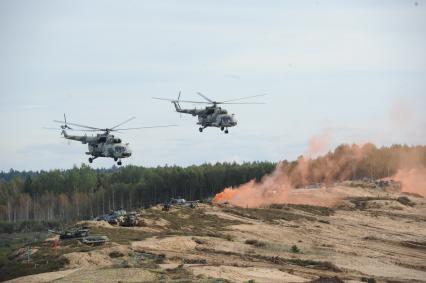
(73, 233)
(130, 220)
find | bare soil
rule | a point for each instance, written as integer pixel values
(371, 235)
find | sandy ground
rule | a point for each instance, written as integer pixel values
(241, 274)
(110, 276)
(384, 239)
(171, 244)
(44, 277)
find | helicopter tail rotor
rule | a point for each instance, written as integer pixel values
(65, 126)
(64, 123)
(180, 114)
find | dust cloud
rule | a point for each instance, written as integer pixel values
(309, 179)
(285, 184)
(412, 180)
(312, 181)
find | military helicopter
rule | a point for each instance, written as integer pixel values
(212, 115)
(103, 144)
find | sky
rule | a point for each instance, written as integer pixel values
(353, 70)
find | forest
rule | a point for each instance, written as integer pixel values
(83, 192)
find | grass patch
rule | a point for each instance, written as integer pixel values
(405, 201)
(193, 222)
(44, 260)
(361, 202)
(295, 249)
(368, 280)
(179, 273)
(195, 261)
(323, 265)
(255, 243)
(414, 245)
(327, 280)
(115, 254)
(121, 235)
(312, 209)
(199, 240)
(268, 214)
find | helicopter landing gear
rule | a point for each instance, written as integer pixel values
(222, 128)
(201, 129)
(91, 159)
(226, 131)
(119, 162)
(115, 158)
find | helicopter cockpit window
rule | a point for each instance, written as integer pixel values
(210, 111)
(119, 149)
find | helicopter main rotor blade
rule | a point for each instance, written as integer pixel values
(148, 127)
(122, 123)
(167, 99)
(187, 101)
(205, 97)
(247, 97)
(74, 130)
(78, 125)
(241, 103)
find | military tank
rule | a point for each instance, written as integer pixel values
(72, 233)
(130, 220)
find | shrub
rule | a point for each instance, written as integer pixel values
(368, 280)
(255, 243)
(115, 254)
(199, 241)
(405, 201)
(295, 249)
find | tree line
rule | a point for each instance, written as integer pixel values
(82, 192)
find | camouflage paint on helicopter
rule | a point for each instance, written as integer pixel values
(211, 116)
(103, 144)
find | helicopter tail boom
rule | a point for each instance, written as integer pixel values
(177, 106)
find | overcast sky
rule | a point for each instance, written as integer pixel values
(355, 70)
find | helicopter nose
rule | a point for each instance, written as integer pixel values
(128, 152)
(234, 120)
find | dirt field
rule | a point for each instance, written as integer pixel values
(371, 237)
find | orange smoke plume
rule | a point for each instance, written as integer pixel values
(284, 184)
(319, 144)
(406, 164)
(412, 180)
(226, 195)
(275, 188)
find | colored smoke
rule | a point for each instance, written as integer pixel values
(286, 184)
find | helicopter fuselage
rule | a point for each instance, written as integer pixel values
(103, 145)
(211, 116)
